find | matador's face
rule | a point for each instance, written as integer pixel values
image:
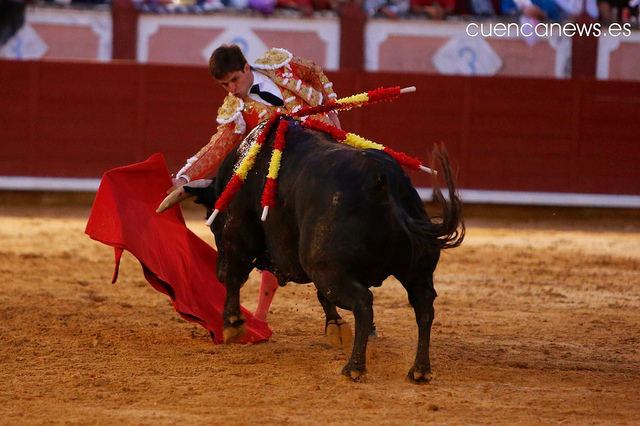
(238, 83)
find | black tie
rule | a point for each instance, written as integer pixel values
(267, 96)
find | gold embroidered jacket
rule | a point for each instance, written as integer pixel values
(302, 84)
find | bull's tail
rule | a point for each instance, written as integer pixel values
(448, 230)
(451, 229)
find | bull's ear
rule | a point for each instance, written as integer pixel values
(200, 183)
(204, 191)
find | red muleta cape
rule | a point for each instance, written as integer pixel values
(174, 260)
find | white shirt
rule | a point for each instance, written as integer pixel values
(266, 85)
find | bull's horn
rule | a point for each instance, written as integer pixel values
(180, 194)
(172, 199)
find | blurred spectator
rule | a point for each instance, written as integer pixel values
(303, 6)
(555, 10)
(89, 1)
(392, 9)
(11, 19)
(266, 7)
(482, 8)
(574, 8)
(308, 7)
(618, 10)
(321, 5)
(634, 13)
(434, 9)
(533, 9)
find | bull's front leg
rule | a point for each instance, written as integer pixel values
(233, 265)
(234, 326)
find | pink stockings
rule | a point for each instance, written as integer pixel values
(268, 287)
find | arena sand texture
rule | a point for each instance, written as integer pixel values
(537, 322)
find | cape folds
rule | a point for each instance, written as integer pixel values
(174, 260)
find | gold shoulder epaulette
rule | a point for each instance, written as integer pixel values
(273, 59)
(230, 109)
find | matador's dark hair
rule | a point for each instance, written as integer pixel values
(226, 59)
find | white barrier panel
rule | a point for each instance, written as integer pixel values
(494, 48)
(477, 196)
(28, 183)
(50, 33)
(190, 39)
(470, 196)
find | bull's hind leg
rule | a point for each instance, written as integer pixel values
(421, 297)
(336, 329)
(362, 309)
(350, 294)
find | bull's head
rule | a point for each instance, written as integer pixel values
(203, 190)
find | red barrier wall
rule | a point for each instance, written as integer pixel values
(66, 119)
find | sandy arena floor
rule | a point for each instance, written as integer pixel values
(537, 322)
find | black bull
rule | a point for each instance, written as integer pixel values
(345, 219)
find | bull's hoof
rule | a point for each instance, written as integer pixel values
(353, 374)
(419, 377)
(339, 334)
(234, 329)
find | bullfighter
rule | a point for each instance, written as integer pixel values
(276, 82)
